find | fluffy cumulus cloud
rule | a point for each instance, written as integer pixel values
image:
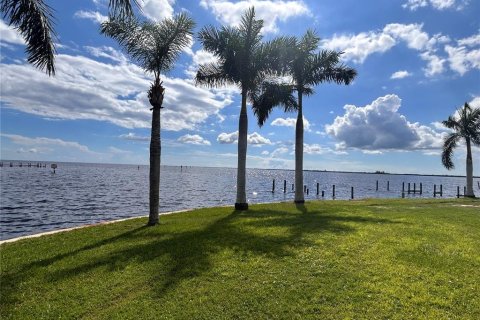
(357, 47)
(437, 50)
(194, 139)
(229, 12)
(400, 74)
(379, 126)
(84, 88)
(254, 139)
(436, 4)
(290, 122)
(157, 9)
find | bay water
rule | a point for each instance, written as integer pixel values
(34, 200)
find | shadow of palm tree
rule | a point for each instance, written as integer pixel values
(188, 254)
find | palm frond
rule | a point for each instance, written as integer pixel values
(309, 42)
(155, 46)
(123, 8)
(451, 123)
(34, 20)
(250, 29)
(449, 145)
(270, 95)
(325, 67)
(213, 75)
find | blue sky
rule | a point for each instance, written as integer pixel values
(417, 61)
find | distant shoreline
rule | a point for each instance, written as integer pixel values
(305, 170)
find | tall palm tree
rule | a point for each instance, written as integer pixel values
(155, 47)
(467, 127)
(307, 69)
(34, 20)
(243, 60)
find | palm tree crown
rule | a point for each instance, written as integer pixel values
(465, 126)
(34, 20)
(153, 46)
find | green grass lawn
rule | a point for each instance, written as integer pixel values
(372, 259)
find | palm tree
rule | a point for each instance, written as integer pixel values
(466, 126)
(34, 20)
(309, 68)
(243, 60)
(155, 47)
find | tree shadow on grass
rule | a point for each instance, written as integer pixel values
(188, 254)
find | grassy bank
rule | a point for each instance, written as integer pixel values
(373, 259)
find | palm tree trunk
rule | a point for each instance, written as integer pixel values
(241, 202)
(299, 197)
(155, 96)
(469, 171)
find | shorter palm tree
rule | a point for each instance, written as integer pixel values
(466, 126)
(155, 47)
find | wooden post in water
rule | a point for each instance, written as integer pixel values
(403, 187)
(307, 191)
(434, 190)
(414, 188)
(293, 186)
(333, 192)
(409, 188)
(273, 186)
(464, 190)
(304, 188)
(323, 193)
(352, 193)
(388, 185)
(421, 188)
(458, 191)
(318, 187)
(284, 186)
(377, 186)
(441, 190)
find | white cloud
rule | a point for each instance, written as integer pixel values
(379, 126)
(463, 59)
(194, 139)
(411, 34)
(358, 47)
(133, 137)
(435, 64)
(107, 52)
(94, 16)
(279, 151)
(10, 35)
(257, 140)
(157, 10)
(254, 139)
(318, 149)
(87, 89)
(436, 4)
(40, 142)
(400, 74)
(271, 12)
(290, 122)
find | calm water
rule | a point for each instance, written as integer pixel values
(34, 199)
